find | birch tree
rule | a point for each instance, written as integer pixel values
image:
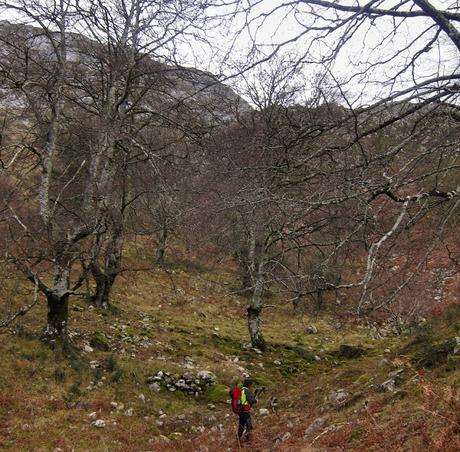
(79, 96)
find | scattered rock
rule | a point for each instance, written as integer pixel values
(277, 362)
(88, 349)
(396, 373)
(129, 412)
(389, 385)
(99, 423)
(281, 439)
(155, 387)
(263, 411)
(339, 397)
(93, 415)
(315, 426)
(193, 384)
(311, 329)
(141, 397)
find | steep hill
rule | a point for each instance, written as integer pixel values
(173, 86)
(338, 386)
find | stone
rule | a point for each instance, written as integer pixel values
(141, 397)
(129, 412)
(286, 436)
(339, 397)
(206, 375)
(316, 425)
(263, 411)
(155, 387)
(396, 373)
(281, 439)
(389, 385)
(99, 423)
(277, 362)
(93, 415)
(311, 329)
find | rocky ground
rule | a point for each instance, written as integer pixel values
(153, 373)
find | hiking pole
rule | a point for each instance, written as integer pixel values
(239, 442)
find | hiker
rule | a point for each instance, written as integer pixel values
(242, 401)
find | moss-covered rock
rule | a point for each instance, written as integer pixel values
(175, 435)
(304, 354)
(350, 352)
(432, 355)
(217, 393)
(100, 342)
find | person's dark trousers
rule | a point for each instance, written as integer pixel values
(244, 424)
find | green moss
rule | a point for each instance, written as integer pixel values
(356, 434)
(261, 381)
(217, 394)
(100, 342)
(175, 435)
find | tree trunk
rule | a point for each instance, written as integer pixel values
(254, 310)
(257, 339)
(105, 276)
(104, 284)
(161, 250)
(58, 313)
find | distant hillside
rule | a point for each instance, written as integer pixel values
(201, 93)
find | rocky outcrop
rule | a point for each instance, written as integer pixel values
(190, 383)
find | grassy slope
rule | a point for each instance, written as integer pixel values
(45, 401)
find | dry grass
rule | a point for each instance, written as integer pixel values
(45, 402)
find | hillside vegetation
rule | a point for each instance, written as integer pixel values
(339, 385)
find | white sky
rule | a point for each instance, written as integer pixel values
(272, 24)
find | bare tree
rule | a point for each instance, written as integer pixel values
(394, 66)
(78, 103)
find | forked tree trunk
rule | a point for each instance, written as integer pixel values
(105, 276)
(104, 284)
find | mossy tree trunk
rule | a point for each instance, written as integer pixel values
(105, 275)
(57, 296)
(58, 314)
(255, 309)
(162, 242)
